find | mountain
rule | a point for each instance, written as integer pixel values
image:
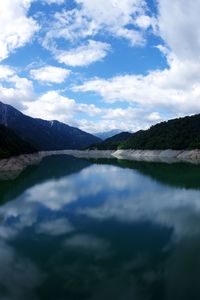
(177, 134)
(11, 144)
(107, 134)
(45, 135)
(113, 142)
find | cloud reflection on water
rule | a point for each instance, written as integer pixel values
(80, 210)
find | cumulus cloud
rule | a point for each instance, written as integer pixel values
(84, 55)
(54, 106)
(176, 89)
(114, 16)
(16, 27)
(6, 72)
(127, 119)
(178, 25)
(50, 74)
(16, 90)
(126, 19)
(76, 37)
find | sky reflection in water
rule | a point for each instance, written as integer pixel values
(77, 229)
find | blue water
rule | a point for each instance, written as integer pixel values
(75, 229)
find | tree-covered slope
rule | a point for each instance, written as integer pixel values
(177, 134)
(113, 142)
(11, 144)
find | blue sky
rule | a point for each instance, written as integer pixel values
(101, 64)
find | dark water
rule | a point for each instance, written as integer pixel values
(76, 229)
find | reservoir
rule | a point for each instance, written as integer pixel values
(88, 229)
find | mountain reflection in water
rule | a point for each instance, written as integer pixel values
(100, 229)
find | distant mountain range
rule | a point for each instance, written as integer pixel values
(42, 134)
(21, 134)
(113, 142)
(175, 134)
(12, 145)
(107, 134)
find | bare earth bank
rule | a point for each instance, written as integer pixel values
(12, 166)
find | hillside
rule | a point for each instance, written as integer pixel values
(11, 144)
(107, 134)
(45, 135)
(177, 134)
(113, 142)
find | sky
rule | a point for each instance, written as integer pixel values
(101, 64)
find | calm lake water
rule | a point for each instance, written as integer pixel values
(75, 229)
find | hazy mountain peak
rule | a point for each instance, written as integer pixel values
(107, 134)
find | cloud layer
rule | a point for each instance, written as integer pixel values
(80, 35)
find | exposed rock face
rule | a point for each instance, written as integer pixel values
(159, 155)
(45, 135)
(90, 153)
(19, 163)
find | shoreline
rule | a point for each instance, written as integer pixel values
(168, 156)
(18, 163)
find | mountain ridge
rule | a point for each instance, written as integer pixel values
(107, 134)
(43, 134)
(113, 142)
(176, 134)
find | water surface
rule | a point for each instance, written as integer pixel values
(100, 229)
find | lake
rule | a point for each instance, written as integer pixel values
(100, 229)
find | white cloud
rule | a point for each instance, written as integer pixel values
(114, 16)
(128, 119)
(177, 89)
(144, 21)
(50, 74)
(6, 72)
(16, 28)
(179, 26)
(174, 91)
(53, 106)
(84, 55)
(16, 90)
(121, 19)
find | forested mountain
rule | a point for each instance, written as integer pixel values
(113, 142)
(45, 135)
(11, 144)
(177, 134)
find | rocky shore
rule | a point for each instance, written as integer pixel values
(168, 156)
(192, 156)
(11, 167)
